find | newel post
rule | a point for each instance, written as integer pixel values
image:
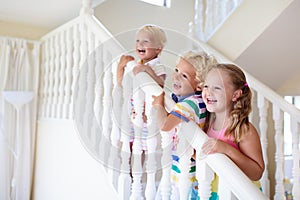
(86, 7)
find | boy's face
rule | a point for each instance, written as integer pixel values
(184, 79)
(146, 47)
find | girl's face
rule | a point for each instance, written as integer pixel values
(184, 79)
(145, 46)
(218, 92)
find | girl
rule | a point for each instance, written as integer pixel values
(228, 99)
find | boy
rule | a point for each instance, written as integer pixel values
(187, 85)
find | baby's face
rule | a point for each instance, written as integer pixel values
(146, 47)
(184, 79)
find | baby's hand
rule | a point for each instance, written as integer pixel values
(159, 100)
(124, 60)
(140, 68)
(213, 145)
(121, 67)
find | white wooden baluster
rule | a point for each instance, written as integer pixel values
(88, 115)
(199, 24)
(81, 90)
(223, 191)
(62, 78)
(75, 71)
(279, 174)
(125, 179)
(93, 44)
(185, 152)
(115, 161)
(221, 12)
(56, 75)
(166, 163)
(79, 95)
(208, 18)
(153, 131)
(296, 157)
(99, 92)
(263, 106)
(215, 14)
(204, 175)
(51, 75)
(46, 80)
(83, 44)
(68, 75)
(149, 86)
(107, 105)
(107, 102)
(138, 98)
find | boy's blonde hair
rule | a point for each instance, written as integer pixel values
(157, 33)
(201, 62)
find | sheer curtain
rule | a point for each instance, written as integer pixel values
(19, 64)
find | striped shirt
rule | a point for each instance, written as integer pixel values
(187, 108)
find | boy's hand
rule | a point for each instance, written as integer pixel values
(121, 67)
(159, 100)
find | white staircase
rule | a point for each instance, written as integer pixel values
(77, 81)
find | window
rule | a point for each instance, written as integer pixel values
(163, 3)
(288, 146)
(295, 100)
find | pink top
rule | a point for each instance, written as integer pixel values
(220, 135)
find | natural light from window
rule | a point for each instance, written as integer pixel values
(295, 100)
(163, 3)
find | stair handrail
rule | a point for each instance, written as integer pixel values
(273, 96)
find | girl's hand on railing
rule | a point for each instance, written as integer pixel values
(213, 145)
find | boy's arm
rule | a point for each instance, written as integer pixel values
(166, 121)
(171, 122)
(159, 104)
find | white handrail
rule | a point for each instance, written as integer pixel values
(237, 181)
(273, 97)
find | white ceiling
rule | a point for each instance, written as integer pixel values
(47, 14)
(274, 57)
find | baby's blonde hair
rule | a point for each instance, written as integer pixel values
(157, 33)
(201, 62)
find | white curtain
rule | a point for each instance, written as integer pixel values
(19, 64)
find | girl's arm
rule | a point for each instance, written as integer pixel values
(145, 68)
(249, 159)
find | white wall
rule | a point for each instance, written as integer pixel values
(64, 169)
(119, 15)
(13, 29)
